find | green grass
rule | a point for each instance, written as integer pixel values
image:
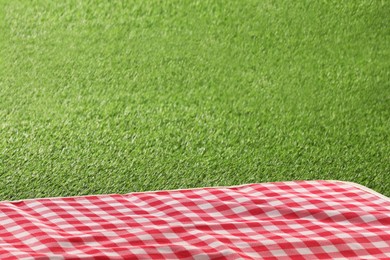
(99, 97)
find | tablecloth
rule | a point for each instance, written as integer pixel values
(281, 220)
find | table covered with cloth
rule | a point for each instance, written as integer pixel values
(281, 220)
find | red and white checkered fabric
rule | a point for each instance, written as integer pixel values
(285, 220)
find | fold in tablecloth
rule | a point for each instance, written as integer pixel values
(284, 220)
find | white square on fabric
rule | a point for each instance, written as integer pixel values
(142, 220)
(274, 213)
(355, 246)
(39, 247)
(329, 249)
(165, 249)
(139, 251)
(275, 203)
(343, 235)
(367, 208)
(293, 239)
(206, 206)
(171, 235)
(41, 209)
(331, 213)
(368, 218)
(304, 251)
(145, 237)
(271, 228)
(278, 253)
(50, 215)
(295, 226)
(215, 244)
(64, 244)
(30, 241)
(201, 257)
(14, 228)
(381, 244)
(307, 233)
(7, 221)
(242, 199)
(239, 209)
(298, 200)
(246, 230)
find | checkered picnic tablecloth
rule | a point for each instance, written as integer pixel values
(285, 220)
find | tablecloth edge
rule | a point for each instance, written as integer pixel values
(364, 188)
(354, 184)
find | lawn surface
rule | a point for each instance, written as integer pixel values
(100, 97)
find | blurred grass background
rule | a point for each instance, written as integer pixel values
(113, 97)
